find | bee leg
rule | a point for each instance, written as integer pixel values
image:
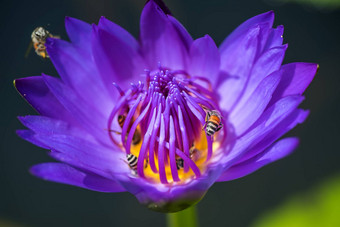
(134, 172)
(205, 124)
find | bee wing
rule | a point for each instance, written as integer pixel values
(29, 48)
(204, 108)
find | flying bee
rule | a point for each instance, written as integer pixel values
(39, 36)
(212, 121)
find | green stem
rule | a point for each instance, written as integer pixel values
(187, 218)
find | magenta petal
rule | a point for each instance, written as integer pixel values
(275, 38)
(119, 33)
(35, 91)
(160, 40)
(245, 115)
(204, 59)
(269, 62)
(78, 70)
(236, 65)
(63, 173)
(29, 136)
(277, 151)
(272, 117)
(296, 117)
(295, 79)
(116, 61)
(50, 126)
(79, 32)
(85, 154)
(183, 33)
(90, 118)
(265, 18)
(175, 198)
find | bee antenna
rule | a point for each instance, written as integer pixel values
(111, 130)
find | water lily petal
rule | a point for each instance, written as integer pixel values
(261, 128)
(79, 32)
(29, 136)
(63, 173)
(296, 117)
(275, 38)
(269, 62)
(264, 18)
(91, 119)
(295, 79)
(116, 60)
(160, 40)
(243, 116)
(204, 58)
(234, 73)
(50, 126)
(84, 154)
(35, 91)
(277, 151)
(77, 70)
(119, 33)
(183, 33)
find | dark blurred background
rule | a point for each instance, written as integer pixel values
(313, 34)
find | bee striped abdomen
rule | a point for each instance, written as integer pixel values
(212, 125)
(132, 161)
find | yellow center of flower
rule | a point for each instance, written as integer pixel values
(167, 129)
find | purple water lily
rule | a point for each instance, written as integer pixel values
(137, 116)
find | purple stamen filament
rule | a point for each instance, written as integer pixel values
(168, 116)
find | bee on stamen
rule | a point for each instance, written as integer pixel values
(212, 121)
(179, 163)
(132, 161)
(194, 155)
(137, 137)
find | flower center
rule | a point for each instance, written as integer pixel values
(166, 127)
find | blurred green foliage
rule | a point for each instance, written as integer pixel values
(320, 207)
(320, 4)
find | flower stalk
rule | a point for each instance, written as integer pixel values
(185, 218)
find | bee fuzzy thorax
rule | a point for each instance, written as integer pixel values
(39, 36)
(213, 122)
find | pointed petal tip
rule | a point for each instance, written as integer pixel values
(67, 19)
(102, 19)
(21, 118)
(270, 14)
(160, 4)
